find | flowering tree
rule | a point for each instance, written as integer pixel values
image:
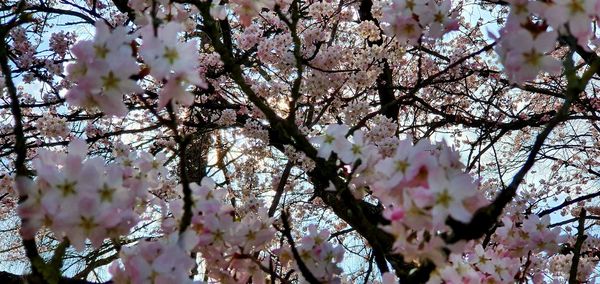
(266, 141)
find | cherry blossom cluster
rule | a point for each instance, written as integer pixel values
(560, 266)
(250, 37)
(60, 42)
(225, 237)
(418, 186)
(574, 16)
(24, 47)
(501, 260)
(52, 126)
(210, 61)
(147, 11)
(8, 202)
(532, 234)
(227, 117)
(516, 250)
(106, 67)
(480, 266)
(369, 31)
(172, 61)
(276, 50)
(300, 158)
(81, 198)
(162, 261)
(523, 51)
(524, 43)
(102, 71)
(409, 20)
(421, 186)
(318, 254)
(322, 10)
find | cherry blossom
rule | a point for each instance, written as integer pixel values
(173, 61)
(524, 53)
(103, 70)
(384, 141)
(79, 198)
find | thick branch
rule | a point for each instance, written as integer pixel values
(577, 249)
(20, 141)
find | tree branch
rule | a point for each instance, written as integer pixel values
(577, 249)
